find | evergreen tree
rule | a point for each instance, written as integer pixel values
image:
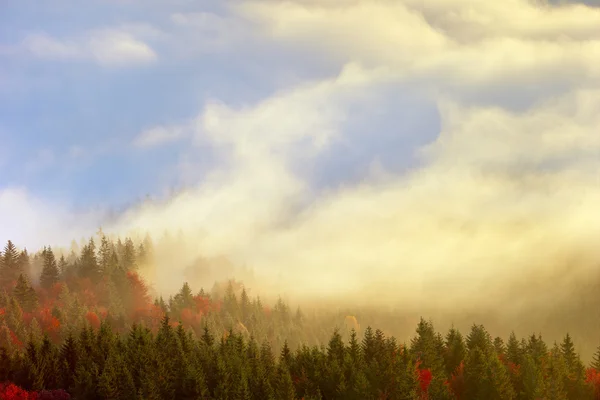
(129, 261)
(35, 331)
(574, 381)
(88, 263)
(69, 354)
(25, 294)
(116, 382)
(455, 351)
(532, 378)
(24, 262)
(63, 266)
(514, 352)
(554, 375)
(537, 349)
(104, 255)
(284, 387)
(427, 348)
(476, 374)
(596, 360)
(183, 299)
(50, 273)
(6, 341)
(9, 265)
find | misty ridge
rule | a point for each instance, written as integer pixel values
(84, 324)
(346, 171)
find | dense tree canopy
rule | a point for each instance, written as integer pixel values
(87, 327)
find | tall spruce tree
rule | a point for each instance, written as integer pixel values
(50, 273)
(9, 264)
(104, 255)
(88, 263)
(25, 294)
(129, 261)
(24, 262)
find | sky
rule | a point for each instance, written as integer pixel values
(397, 147)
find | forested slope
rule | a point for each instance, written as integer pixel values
(85, 325)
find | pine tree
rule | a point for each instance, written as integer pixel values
(596, 360)
(184, 299)
(14, 317)
(501, 387)
(554, 375)
(499, 346)
(245, 306)
(69, 354)
(537, 349)
(35, 331)
(63, 266)
(284, 387)
(25, 294)
(455, 351)
(514, 352)
(6, 362)
(427, 348)
(113, 266)
(6, 338)
(24, 262)
(129, 261)
(568, 351)
(88, 263)
(575, 379)
(141, 255)
(50, 273)
(48, 364)
(479, 337)
(9, 265)
(85, 382)
(21, 290)
(108, 383)
(104, 255)
(477, 385)
(532, 378)
(230, 302)
(335, 348)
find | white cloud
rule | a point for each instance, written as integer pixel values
(44, 46)
(159, 135)
(107, 47)
(453, 43)
(497, 186)
(32, 223)
(114, 48)
(209, 32)
(503, 197)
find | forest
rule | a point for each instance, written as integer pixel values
(85, 324)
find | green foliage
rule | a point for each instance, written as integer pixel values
(50, 272)
(94, 330)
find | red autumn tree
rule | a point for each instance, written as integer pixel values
(48, 322)
(425, 378)
(457, 381)
(139, 298)
(15, 340)
(13, 392)
(593, 379)
(92, 318)
(203, 304)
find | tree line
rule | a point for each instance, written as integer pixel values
(87, 327)
(176, 364)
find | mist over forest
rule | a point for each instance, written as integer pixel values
(301, 199)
